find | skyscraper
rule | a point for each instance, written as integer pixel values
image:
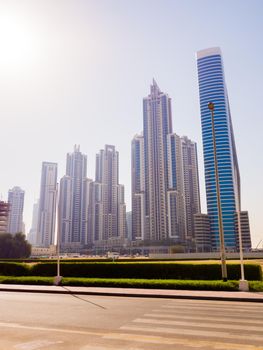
(4, 212)
(70, 218)
(16, 200)
(87, 221)
(138, 188)
(32, 235)
(65, 210)
(157, 125)
(212, 88)
(165, 185)
(122, 224)
(191, 184)
(184, 193)
(176, 193)
(47, 205)
(110, 194)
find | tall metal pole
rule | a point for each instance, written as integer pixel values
(240, 245)
(243, 283)
(58, 254)
(58, 278)
(211, 107)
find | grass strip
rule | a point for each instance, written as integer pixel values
(152, 284)
(254, 286)
(29, 280)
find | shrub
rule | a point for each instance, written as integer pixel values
(256, 286)
(146, 270)
(29, 280)
(153, 284)
(13, 269)
(132, 270)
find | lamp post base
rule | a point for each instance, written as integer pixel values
(243, 286)
(57, 280)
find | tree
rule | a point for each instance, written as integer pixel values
(14, 246)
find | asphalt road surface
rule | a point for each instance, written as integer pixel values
(31, 321)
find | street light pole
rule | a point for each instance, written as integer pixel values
(211, 107)
(58, 278)
(243, 283)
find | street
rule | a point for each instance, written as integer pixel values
(30, 321)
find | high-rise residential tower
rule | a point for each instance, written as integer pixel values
(4, 212)
(87, 207)
(138, 188)
(109, 201)
(184, 193)
(47, 205)
(32, 235)
(16, 200)
(165, 185)
(70, 217)
(212, 88)
(157, 125)
(176, 193)
(191, 185)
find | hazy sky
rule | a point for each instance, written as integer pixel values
(76, 71)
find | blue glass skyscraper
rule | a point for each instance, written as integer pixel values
(212, 88)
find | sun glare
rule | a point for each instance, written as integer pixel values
(16, 42)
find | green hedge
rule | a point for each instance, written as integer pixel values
(28, 280)
(152, 284)
(147, 270)
(254, 286)
(132, 270)
(13, 269)
(124, 283)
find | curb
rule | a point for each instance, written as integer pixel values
(137, 294)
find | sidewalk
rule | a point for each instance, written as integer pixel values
(138, 293)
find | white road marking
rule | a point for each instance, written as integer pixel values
(217, 304)
(60, 330)
(219, 313)
(182, 331)
(229, 327)
(209, 308)
(36, 344)
(107, 347)
(179, 341)
(204, 318)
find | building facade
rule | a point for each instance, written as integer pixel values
(245, 231)
(203, 242)
(165, 184)
(47, 205)
(16, 201)
(4, 212)
(212, 88)
(72, 201)
(191, 185)
(110, 208)
(32, 235)
(157, 125)
(138, 188)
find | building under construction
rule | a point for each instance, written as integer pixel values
(4, 211)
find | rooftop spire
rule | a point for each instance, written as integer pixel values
(76, 148)
(155, 90)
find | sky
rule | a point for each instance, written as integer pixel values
(76, 71)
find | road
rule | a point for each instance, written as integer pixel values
(31, 321)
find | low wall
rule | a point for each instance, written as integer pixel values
(203, 256)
